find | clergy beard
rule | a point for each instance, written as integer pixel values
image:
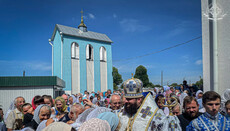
(132, 109)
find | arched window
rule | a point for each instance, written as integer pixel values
(74, 51)
(102, 54)
(89, 52)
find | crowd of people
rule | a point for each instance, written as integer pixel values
(132, 109)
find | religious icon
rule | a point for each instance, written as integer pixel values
(169, 104)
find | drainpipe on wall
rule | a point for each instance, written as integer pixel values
(61, 51)
(52, 56)
(215, 47)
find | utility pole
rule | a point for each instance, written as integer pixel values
(162, 78)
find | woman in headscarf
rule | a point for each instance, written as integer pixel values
(42, 112)
(199, 95)
(79, 99)
(72, 100)
(111, 118)
(60, 107)
(95, 124)
(224, 98)
(81, 118)
(96, 112)
(227, 108)
(107, 102)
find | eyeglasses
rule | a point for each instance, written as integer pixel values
(117, 103)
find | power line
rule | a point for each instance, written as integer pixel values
(136, 57)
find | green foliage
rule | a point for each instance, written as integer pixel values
(199, 83)
(117, 78)
(141, 73)
(115, 87)
(174, 84)
(151, 85)
(157, 85)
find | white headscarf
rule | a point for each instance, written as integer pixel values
(74, 99)
(225, 97)
(96, 112)
(181, 97)
(198, 92)
(37, 112)
(81, 118)
(11, 108)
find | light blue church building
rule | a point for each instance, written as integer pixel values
(83, 59)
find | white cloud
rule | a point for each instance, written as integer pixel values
(132, 25)
(91, 16)
(198, 62)
(185, 58)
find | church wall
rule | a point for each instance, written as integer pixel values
(57, 55)
(82, 63)
(67, 64)
(109, 66)
(223, 30)
(223, 40)
(97, 73)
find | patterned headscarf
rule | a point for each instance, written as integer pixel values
(58, 126)
(95, 124)
(64, 106)
(111, 118)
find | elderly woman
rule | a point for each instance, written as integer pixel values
(41, 113)
(60, 107)
(72, 100)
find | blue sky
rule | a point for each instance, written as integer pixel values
(137, 27)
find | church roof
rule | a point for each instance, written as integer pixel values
(66, 30)
(21, 81)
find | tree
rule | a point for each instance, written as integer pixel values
(141, 73)
(199, 83)
(151, 85)
(117, 78)
(157, 85)
(174, 84)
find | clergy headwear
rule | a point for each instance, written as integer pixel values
(133, 88)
